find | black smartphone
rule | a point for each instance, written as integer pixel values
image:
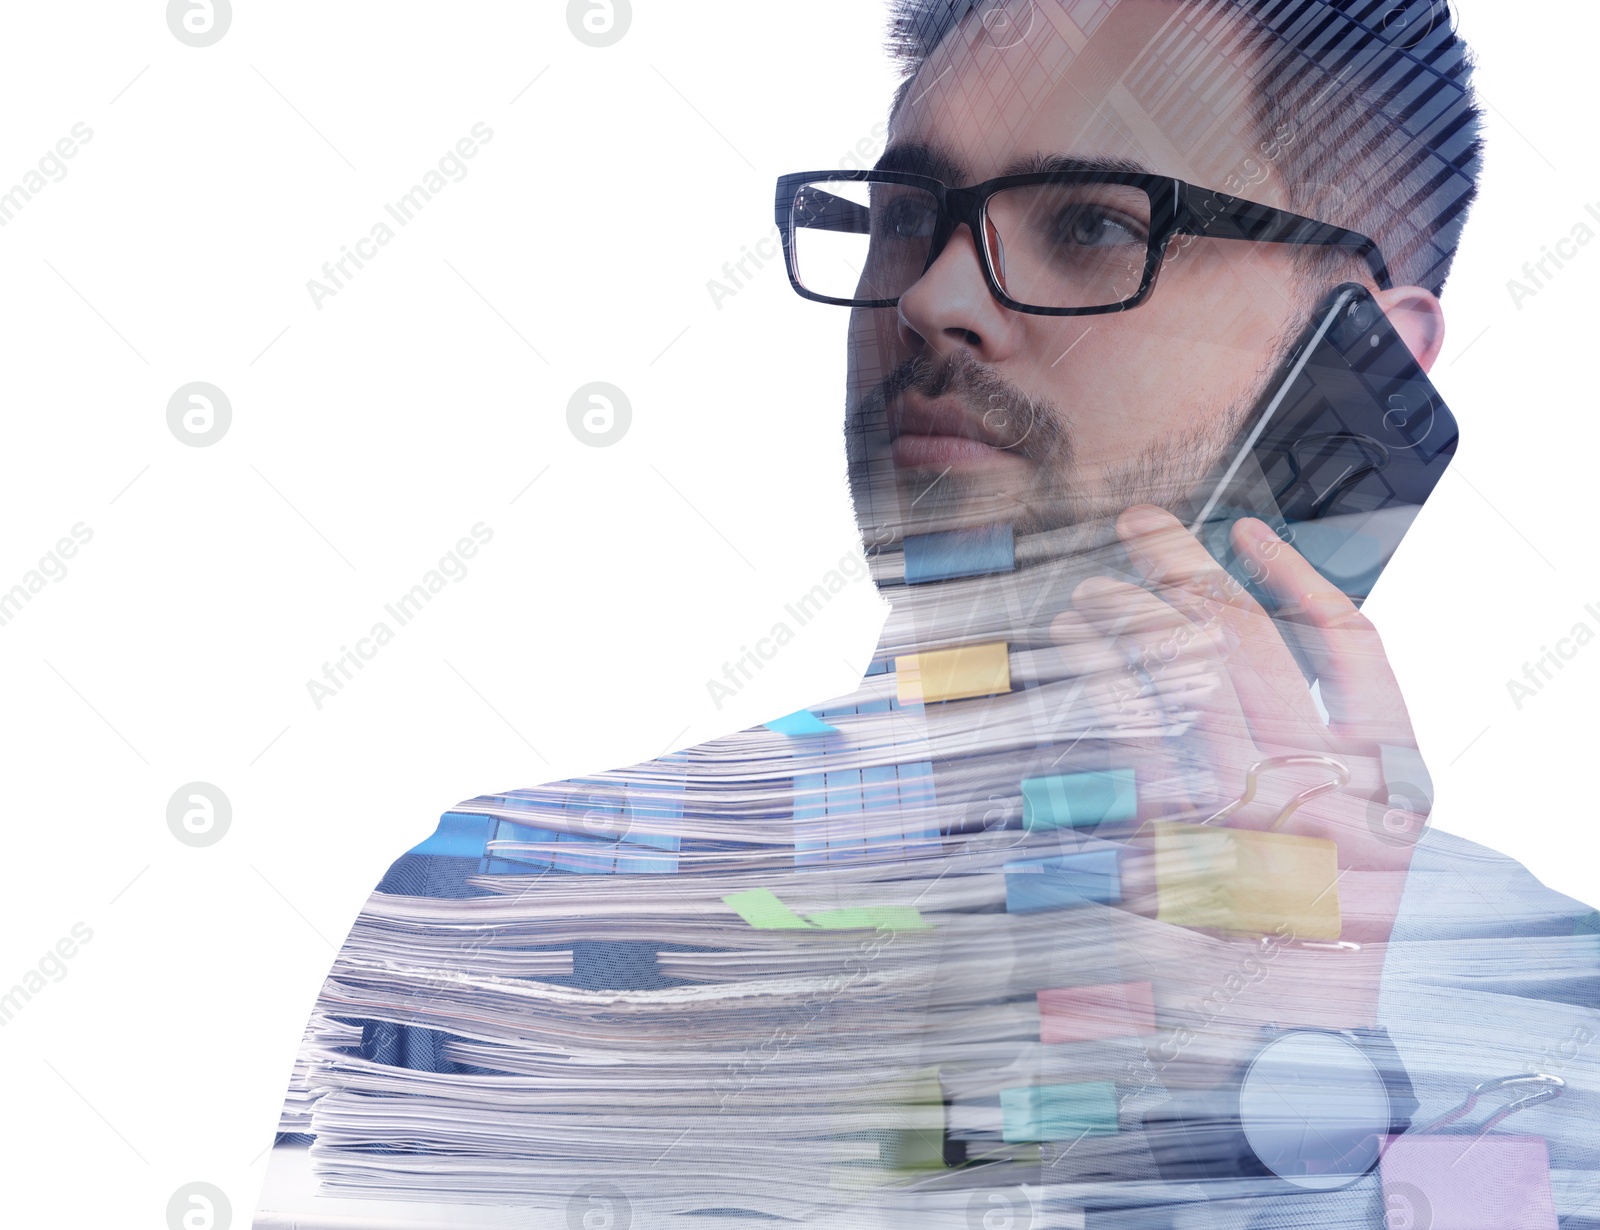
(1343, 450)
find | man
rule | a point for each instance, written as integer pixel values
(873, 965)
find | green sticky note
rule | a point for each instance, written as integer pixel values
(920, 1145)
(1058, 1112)
(761, 908)
(904, 1150)
(883, 917)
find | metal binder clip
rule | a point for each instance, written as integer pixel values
(1506, 1183)
(1253, 773)
(1268, 942)
(1241, 880)
(1552, 1087)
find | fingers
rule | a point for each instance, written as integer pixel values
(1271, 688)
(1200, 619)
(1191, 615)
(1084, 648)
(1153, 630)
(1169, 557)
(1358, 686)
(1179, 659)
(1149, 639)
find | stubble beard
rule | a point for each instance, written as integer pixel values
(891, 502)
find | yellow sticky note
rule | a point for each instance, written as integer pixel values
(952, 674)
(1241, 880)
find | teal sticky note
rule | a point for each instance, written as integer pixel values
(800, 722)
(1058, 1112)
(1077, 800)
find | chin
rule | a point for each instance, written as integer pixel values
(928, 502)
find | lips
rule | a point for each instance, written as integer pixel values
(941, 433)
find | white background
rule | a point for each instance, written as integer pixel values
(370, 434)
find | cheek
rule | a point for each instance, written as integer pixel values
(1123, 387)
(874, 348)
(1147, 375)
(1240, 295)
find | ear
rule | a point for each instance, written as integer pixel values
(1418, 317)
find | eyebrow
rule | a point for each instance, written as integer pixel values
(1038, 164)
(917, 159)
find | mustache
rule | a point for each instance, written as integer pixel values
(1030, 426)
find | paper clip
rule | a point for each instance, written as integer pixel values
(1552, 1087)
(1251, 780)
(1268, 942)
(1248, 881)
(1463, 1180)
(1253, 773)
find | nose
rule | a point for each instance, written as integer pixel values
(950, 307)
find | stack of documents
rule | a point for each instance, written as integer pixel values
(924, 955)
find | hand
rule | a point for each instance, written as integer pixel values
(1192, 620)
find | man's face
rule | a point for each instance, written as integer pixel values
(962, 412)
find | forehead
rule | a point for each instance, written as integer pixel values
(1156, 83)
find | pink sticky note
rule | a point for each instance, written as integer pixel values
(1468, 1183)
(1092, 1014)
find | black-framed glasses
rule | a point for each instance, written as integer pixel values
(1054, 243)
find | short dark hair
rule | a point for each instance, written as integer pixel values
(1386, 133)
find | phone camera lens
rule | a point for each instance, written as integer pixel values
(1358, 320)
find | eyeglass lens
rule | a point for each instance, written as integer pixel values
(1055, 245)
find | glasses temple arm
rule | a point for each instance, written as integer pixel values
(818, 210)
(1215, 215)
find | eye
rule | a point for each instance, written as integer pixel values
(1091, 226)
(906, 219)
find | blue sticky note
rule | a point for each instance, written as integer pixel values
(666, 809)
(959, 553)
(1078, 800)
(656, 841)
(801, 722)
(846, 818)
(459, 835)
(634, 859)
(880, 789)
(507, 830)
(587, 855)
(1063, 881)
(810, 820)
(604, 810)
(648, 854)
(1058, 1112)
